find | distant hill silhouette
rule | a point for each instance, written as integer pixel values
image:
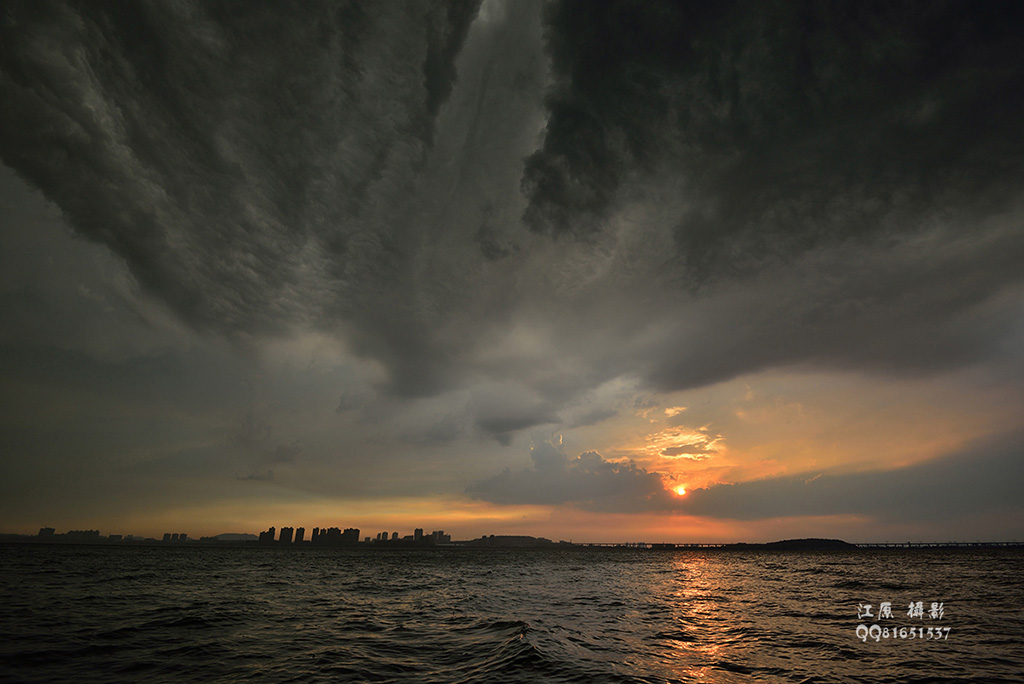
(510, 541)
(798, 545)
(232, 536)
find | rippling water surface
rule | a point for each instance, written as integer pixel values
(122, 613)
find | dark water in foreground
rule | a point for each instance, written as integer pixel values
(113, 614)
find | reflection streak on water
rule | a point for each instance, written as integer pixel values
(578, 615)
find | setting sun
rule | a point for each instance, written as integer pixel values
(680, 490)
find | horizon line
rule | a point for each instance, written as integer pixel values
(93, 536)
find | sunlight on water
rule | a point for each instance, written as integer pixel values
(79, 614)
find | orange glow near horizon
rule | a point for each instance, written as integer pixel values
(762, 426)
(780, 424)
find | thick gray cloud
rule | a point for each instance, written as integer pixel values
(502, 410)
(263, 168)
(916, 306)
(795, 124)
(587, 481)
(498, 218)
(241, 159)
(253, 436)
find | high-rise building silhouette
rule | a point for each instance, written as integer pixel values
(82, 535)
(286, 534)
(333, 536)
(300, 532)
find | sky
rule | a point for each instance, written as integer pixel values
(593, 271)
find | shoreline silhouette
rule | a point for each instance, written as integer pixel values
(245, 540)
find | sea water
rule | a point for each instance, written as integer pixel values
(122, 613)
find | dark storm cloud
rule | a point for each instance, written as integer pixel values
(228, 151)
(446, 31)
(981, 478)
(287, 167)
(264, 476)
(442, 430)
(793, 124)
(593, 417)
(501, 411)
(285, 453)
(502, 422)
(915, 307)
(587, 481)
(251, 432)
(253, 436)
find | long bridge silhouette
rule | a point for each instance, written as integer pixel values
(867, 545)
